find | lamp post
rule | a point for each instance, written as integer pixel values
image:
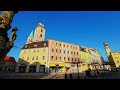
(57, 70)
(78, 70)
(93, 67)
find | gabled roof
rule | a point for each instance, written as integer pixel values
(39, 44)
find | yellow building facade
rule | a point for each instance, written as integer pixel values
(34, 57)
(89, 57)
(113, 57)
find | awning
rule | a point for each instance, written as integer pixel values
(54, 65)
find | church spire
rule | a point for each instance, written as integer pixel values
(31, 34)
(30, 38)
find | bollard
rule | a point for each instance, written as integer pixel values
(88, 73)
(65, 76)
(70, 76)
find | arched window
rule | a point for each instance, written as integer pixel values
(33, 58)
(37, 58)
(52, 57)
(40, 35)
(52, 50)
(41, 30)
(56, 57)
(72, 59)
(64, 58)
(27, 58)
(56, 50)
(68, 58)
(117, 61)
(60, 58)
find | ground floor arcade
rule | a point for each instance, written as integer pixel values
(53, 68)
(31, 68)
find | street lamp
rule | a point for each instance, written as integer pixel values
(95, 67)
(57, 69)
(78, 68)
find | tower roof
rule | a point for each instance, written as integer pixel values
(41, 24)
(31, 34)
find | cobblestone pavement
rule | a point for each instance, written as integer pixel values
(54, 76)
(59, 76)
(110, 75)
(22, 75)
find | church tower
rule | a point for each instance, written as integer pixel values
(39, 33)
(107, 49)
(30, 38)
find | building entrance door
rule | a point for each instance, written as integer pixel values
(22, 69)
(32, 69)
(42, 68)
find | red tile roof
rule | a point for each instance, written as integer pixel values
(39, 44)
(10, 59)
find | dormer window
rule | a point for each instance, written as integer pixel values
(25, 46)
(44, 44)
(35, 45)
(41, 30)
(40, 35)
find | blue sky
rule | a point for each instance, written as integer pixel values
(86, 28)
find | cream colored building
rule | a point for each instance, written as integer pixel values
(33, 58)
(90, 58)
(34, 55)
(37, 35)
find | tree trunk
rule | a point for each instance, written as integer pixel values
(5, 20)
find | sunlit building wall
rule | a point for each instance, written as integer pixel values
(34, 55)
(113, 57)
(38, 55)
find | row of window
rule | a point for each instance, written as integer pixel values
(116, 57)
(68, 52)
(35, 51)
(38, 31)
(52, 57)
(35, 58)
(39, 36)
(74, 47)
